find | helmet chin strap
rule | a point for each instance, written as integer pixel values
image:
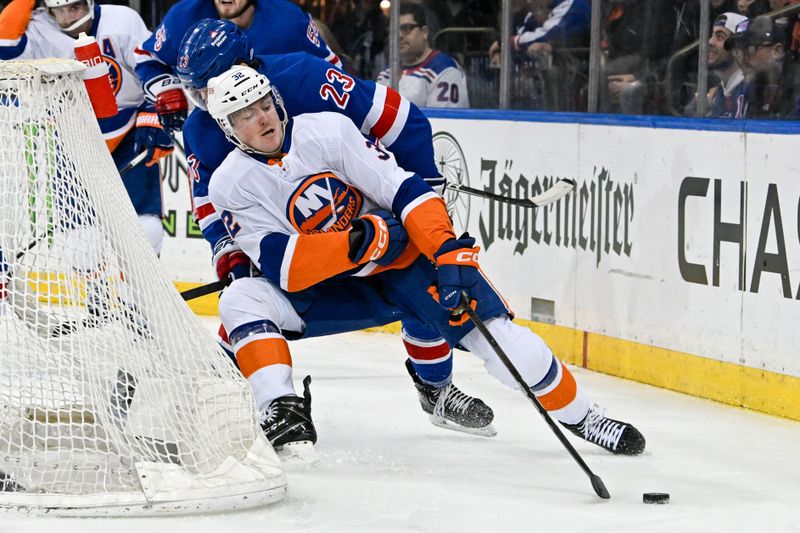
(282, 116)
(77, 24)
(249, 149)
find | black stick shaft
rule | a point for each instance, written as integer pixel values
(597, 483)
(133, 163)
(202, 290)
(523, 202)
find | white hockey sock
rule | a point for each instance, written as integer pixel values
(552, 382)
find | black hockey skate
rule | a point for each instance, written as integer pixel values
(449, 408)
(288, 426)
(615, 436)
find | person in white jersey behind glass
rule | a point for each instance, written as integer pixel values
(428, 77)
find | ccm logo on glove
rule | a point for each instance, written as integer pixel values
(467, 257)
(382, 239)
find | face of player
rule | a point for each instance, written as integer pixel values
(413, 40)
(230, 9)
(718, 57)
(258, 126)
(69, 14)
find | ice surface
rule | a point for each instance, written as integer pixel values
(386, 468)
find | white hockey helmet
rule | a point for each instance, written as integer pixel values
(235, 89)
(50, 4)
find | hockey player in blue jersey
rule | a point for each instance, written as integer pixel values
(345, 239)
(274, 26)
(312, 85)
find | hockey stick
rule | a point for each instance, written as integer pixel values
(133, 163)
(553, 194)
(202, 290)
(597, 483)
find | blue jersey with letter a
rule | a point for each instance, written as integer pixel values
(278, 27)
(310, 85)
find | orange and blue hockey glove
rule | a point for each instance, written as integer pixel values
(456, 271)
(378, 237)
(150, 136)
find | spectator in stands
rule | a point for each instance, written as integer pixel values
(429, 78)
(431, 17)
(774, 79)
(361, 28)
(683, 75)
(637, 40)
(752, 8)
(793, 31)
(549, 23)
(729, 99)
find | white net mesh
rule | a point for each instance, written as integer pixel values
(111, 391)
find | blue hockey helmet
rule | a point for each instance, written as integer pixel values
(209, 48)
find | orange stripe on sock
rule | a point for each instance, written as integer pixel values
(257, 354)
(563, 394)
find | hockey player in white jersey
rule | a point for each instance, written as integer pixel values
(345, 239)
(50, 31)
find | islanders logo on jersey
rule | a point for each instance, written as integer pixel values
(114, 74)
(322, 202)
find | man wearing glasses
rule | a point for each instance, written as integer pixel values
(774, 77)
(429, 78)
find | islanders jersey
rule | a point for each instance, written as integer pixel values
(290, 215)
(308, 84)
(118, 30)
(278, 27)
(732, 99)
(437, 81)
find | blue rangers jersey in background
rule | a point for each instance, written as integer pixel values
(309, 85)
(278, 27)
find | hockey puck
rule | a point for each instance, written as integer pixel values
(655, 497)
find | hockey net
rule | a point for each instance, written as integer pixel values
(114, 398)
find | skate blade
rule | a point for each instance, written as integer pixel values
(298, 454)
(485, 431)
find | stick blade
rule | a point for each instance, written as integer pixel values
(555, 192)
(599, 487)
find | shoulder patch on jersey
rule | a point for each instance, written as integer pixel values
(161, 36)
(322, 202)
